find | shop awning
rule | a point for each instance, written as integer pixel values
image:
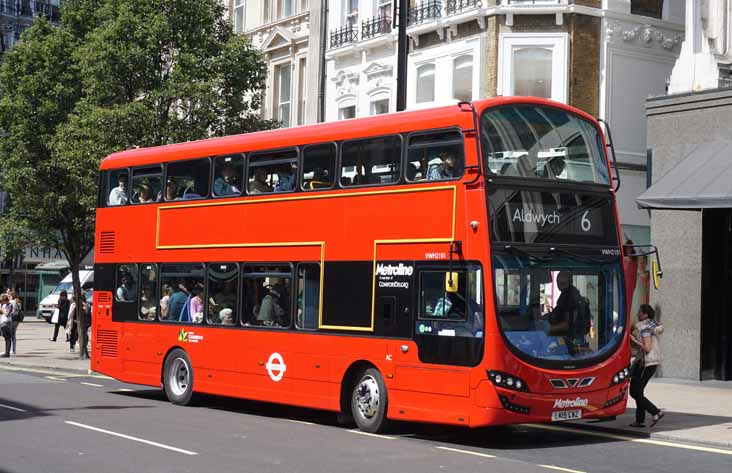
(54, 265)
(702, 180)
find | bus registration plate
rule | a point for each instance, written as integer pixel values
(566, 415)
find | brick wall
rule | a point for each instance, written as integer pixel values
(584, 63)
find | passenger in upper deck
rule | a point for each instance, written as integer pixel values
(118, 195)
(445, 169)
(226, 183)
(259, 184)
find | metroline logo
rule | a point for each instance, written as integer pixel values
(393, 270)
(577, 402)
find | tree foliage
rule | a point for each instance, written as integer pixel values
(114, 75)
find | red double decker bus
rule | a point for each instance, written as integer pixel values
(459, 265)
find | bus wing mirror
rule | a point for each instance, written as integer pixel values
(451, 282)
(656, 273)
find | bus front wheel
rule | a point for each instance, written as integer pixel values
(369, 402)
(178, 378)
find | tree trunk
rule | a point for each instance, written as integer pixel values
(80, 301)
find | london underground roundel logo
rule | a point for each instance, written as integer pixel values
(276, 367)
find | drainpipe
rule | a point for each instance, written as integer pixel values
(322, 66)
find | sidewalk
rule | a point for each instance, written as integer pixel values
(35, 351)
(696, 412)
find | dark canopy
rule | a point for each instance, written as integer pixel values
(702, 180)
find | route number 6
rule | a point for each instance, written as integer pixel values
(586, 224)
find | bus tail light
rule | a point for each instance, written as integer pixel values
(507, 381)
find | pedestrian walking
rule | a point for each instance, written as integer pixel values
(6, 323)
(72, 324)
(17, 318)
(650, 358)
(61, 314)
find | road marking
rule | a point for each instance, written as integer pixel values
(560, 468)
(372, 435)
(54, 378)
(129, 437)
(299, 422)
(124, 390)
(13, 408)
(469, 452)
(93, 385)
(661, 443)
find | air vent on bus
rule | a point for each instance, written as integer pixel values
(107, 340)
(108, 240)
(104, 297)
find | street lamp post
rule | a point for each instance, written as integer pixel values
(402, 54)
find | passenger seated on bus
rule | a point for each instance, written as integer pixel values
(125, 290)
(144, 195)
(554, 168)
(270, 311)
(118, 195)
(320, 179)
(148, 308)
(178, 301)
(190, 192)
(259, 183)
(445, 169)
(227, 317)
(359, 180)
(346, 181)
(165, 301)
(171, 192)
(286, 178)
(227, 183)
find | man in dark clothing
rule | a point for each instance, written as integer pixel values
(562, 318)
(177, 300)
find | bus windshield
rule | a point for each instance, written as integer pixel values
(560, 308)
(544, 143)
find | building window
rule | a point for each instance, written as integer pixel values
(533, 64)
(382, 8)
(462, 78)
(379, 107)
(301, 94)
(239, 15)
(282, 87)
(350, 12)
(426, 83)
(285, 8)
(652, 8)
(347, 112)
(532, 72)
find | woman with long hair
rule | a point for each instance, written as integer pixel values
(651, 357)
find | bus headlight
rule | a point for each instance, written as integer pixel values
(507, 381)
(620, 376)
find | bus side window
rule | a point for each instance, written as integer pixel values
(223, 287)
(126, 287)
(148, 292)
(146, 185)
(187, 180)
(308, 296)
(182, 293)
(435, 156)
(267, 292)
(373, 161)
(318, 166)
(274, 171)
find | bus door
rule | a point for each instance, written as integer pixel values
(393, 298)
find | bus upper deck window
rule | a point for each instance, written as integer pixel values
(116, 187)
(435, 156)
(146, 185)
(187, 180)
(318, 166)
(274, 171)
(372, 161)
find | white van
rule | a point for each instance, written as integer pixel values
(48, 304)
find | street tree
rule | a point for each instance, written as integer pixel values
(114, 75)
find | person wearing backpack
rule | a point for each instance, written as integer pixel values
(570, 318)
(17, 318)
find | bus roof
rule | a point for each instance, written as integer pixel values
(318, 133)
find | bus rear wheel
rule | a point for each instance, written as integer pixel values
(369, 402)
(178, 378)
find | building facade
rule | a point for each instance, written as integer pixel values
(18, 15)
(690, 143)
(288, 34)
(605, 57)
